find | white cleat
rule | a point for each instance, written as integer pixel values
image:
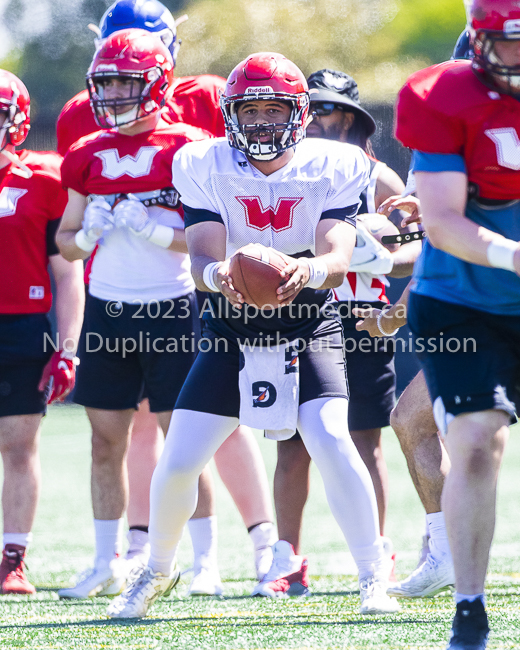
(102, 580)
(428, 579)
(140, 595)
(205, 582)
(263, 561)
(374, 599)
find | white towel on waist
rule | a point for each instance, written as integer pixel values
(269, 383)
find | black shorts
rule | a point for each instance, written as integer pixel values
(471, 359)
(212, 385)
(25, 348)
(370, 372)
(126, 349)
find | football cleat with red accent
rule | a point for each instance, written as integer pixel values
(59, 376)
(12, 577)
(287, 575)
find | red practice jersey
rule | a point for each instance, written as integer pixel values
(30, 209)
(108, 162)
(446, 109)
(195, 101)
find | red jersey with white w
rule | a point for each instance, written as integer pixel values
(107, 163)
(446, 109)
(195, 101)
(30, 210)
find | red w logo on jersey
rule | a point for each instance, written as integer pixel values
(280, 218)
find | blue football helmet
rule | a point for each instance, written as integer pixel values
(463, 47)
(150, 15)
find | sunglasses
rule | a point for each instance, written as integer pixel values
(324, 108)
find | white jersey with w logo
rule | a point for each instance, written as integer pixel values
(323, 180)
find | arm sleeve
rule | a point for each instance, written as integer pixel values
(347, 214)
(193, 215)
(437, 162)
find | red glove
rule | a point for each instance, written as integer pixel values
(59, 376)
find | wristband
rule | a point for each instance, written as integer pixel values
(500, 254)
(84, 242)
(162, 236)
(208, 276)
(318, 273)
(378, 321)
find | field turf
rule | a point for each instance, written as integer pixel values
(63, 545)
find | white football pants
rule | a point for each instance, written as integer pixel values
(194, 437)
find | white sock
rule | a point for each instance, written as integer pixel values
(322, 424)
(137, 542)
(203, 533)
(439, 545)
(173, 492)
(263, 535)
(109, 539)
(470, 598)
(21, 539)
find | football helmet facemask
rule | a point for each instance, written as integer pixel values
(150, 15)
(135, 56)
(15, 104)
(491, 22)
(265, 76)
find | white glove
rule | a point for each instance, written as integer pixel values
(369, 255)
(97, 219)
(132, 214)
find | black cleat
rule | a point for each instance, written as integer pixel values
(470, 629)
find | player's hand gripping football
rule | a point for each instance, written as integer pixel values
(297, 273)
(225, 284)
(97, 219)
(59, 376)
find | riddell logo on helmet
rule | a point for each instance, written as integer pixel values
(106, 67)
(512, 26)
(259, 89)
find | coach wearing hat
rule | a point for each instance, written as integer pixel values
(336, 110)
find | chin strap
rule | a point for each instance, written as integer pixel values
(23, 170)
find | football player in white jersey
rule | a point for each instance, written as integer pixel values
(301, 199)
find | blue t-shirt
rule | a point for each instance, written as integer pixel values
(442, 276)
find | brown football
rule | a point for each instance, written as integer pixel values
(255, 271)
(378, 226)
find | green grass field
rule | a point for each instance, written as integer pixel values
(63, 545)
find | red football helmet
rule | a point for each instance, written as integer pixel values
(265, 76)
(491, 22)
(15, 103)
(138, 57)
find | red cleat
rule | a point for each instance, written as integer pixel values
(12, 577)
(287, 575)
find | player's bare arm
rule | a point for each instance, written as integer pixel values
(70, 226)
(70, 297)
(207, 246)
(379, 322)
(443, 199)
(389, 184)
